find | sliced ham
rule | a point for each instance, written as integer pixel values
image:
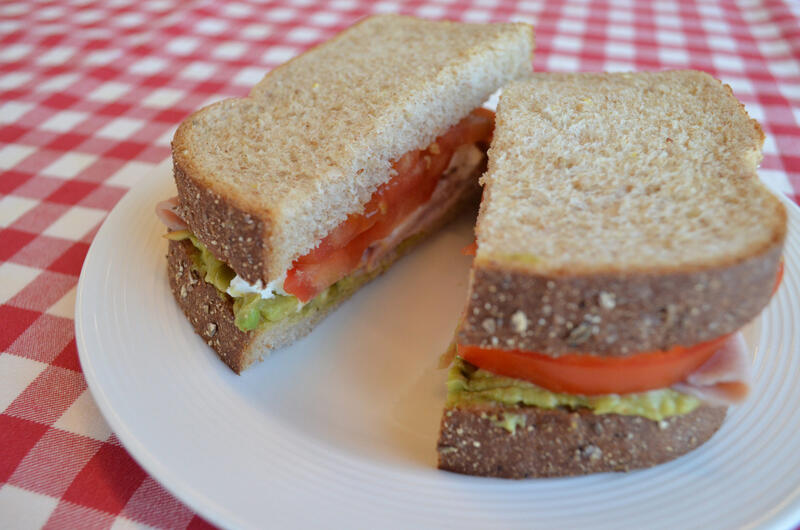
(167, 211)
(725, 378)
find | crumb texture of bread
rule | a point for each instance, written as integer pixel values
(649, 172)
(559, 442)
(621, 213)
(317, 135)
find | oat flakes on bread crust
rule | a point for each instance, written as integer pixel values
(317, 135)
(559, 442)
(628, 210)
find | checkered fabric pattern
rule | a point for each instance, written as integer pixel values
(90, 94)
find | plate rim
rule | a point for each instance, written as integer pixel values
(209, 509)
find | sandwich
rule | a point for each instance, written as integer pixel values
(623, 240)
(335, 164)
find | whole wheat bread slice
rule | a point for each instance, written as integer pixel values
(621, 213)
(262, 179)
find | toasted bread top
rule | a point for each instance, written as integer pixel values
(624, 173)
(318, 134)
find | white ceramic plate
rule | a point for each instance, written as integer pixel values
(340, 429)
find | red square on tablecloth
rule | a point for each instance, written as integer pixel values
(107, 481)
(17, 436)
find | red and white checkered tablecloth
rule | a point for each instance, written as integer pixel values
(90, 94)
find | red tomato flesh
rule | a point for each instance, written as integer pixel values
(418, 172)
(580, 373)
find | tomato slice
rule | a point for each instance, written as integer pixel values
(418, 173)
(580, 373)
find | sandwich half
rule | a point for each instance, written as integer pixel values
(623, 240)
(336, 163)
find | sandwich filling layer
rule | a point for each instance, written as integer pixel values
(468, 384)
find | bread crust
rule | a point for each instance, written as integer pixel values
(559, 442)
(614, 314)
(232, 234)
(211, 312)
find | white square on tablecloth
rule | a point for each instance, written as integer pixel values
(56, 55)
(128, 20)
(429, 11)
(16, 373)
(787, 68)
(722, 43)
(69, 165)
(255, 31)
(568, 25)
(715, 26)
(562, 63)
(774, 48)
(12, 208)
(102, 57)
(674, 38)
(14, 278)
(110, 91)
(211, 26)
(618, 66)
(229, 50)
(279, 54)
(770, 147)
(729, 63)
(237, 10)
(120, 128)
(281, 14)
(23, 509)
(667, 21)
(476, 15)
(57, 83)
(303, 35)
(739, 85)
(14, 80)
(567, 43)
(619, 49)
(12, 154)
(75, 223)
(84, 418)
(615, 15)
(65, 307)
(163, 98)
(131, 173)
(673, 56)
(324, 18)
(182, 45)
(249, 76)
(64, 121)
(790, 91)
(198, 70)
(15, 52)
(148, 66)
(619, 31)
(88, 16)
(13, 111)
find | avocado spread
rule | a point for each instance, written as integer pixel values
(251, 311)
(468, 384)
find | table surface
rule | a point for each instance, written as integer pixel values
(90, 95)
